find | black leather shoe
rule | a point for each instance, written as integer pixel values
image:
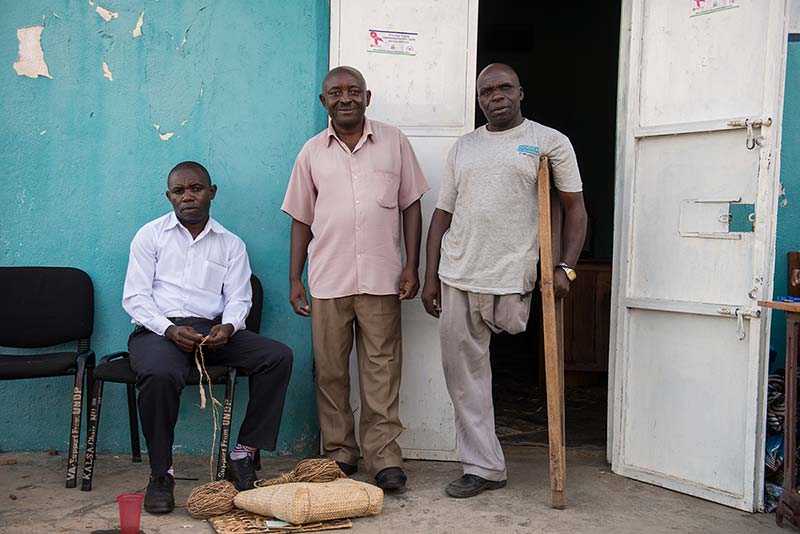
(159, 498)
(471, 485)
(391, 478)
(347, 469)
(242, 473)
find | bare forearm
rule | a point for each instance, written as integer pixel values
(412, 233)
(301, 237)
(440, 222)
(575, 219)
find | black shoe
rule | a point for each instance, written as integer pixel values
(391, 478)
(242, 473)
(471, 485)
(159, 498)
(347, 469)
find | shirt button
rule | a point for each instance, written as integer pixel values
(355, 177)
(358, 228)
(357, 202)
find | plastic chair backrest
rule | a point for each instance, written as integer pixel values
(253, 321)
(45, 306)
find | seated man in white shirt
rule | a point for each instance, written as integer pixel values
(189, 279)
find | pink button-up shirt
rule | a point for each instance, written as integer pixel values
(352, 201)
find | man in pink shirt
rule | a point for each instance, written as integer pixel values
(352, 185)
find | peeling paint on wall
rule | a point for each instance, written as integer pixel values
(103, 12)
(186, 33)
(30, 62)
(107, 72)
(165, 136)
(137, 31)
(49, 178)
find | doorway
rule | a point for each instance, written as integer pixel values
(567, 61)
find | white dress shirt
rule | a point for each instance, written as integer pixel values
(172, 275)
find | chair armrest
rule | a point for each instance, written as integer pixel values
(87, 355)
(113, 356)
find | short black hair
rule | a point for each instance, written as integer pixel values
(499, 66)
(349, 70)
(193, 166)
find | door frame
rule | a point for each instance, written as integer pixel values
(628, 134)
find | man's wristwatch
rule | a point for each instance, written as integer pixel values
(569, 271)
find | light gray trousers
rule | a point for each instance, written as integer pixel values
(465, 327)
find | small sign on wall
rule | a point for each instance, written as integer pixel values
(704, 7)
(390, 42)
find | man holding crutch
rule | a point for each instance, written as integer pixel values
(482, 249)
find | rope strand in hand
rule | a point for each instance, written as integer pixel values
(200, 363)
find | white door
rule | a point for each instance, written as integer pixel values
(418, 58)
(688, 348)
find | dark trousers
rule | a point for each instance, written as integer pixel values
(162, 369)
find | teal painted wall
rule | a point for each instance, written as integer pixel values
(788, 231)
(83, 168)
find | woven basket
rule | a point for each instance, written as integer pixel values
(305, 502)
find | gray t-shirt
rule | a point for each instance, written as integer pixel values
(489, 186)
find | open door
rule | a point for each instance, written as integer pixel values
(697, 164)
(418, 58)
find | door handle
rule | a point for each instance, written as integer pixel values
(749, 313)
(741, 314)
(752, 140)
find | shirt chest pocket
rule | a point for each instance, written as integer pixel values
(212, 275)
(525, 168)
(387, 188)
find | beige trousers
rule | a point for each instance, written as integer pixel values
(465, 326)
(374, 322)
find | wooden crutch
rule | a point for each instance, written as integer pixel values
(552, 322)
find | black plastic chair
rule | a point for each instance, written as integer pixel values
(116, 368)
(45, 307)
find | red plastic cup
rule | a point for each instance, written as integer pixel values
(130, 512)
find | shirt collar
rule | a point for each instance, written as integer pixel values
(172, 221)
(367, 133)
(212, 225)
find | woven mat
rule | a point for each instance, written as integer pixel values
(241, 522)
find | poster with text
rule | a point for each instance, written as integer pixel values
(391, 42)
(704, 7)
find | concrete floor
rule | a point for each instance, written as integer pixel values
(33, 500)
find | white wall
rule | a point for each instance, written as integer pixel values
(794, 16)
